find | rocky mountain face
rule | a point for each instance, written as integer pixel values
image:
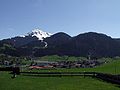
(39, 43)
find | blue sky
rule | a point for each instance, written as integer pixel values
(19, 17)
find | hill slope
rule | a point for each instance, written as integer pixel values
(87, 44)
(91, 43)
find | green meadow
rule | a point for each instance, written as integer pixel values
(22, 82)
(52, 83)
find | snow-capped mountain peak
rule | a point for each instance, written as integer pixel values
(39, 34)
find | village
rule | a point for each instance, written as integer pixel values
(41, 64)
(64, 64)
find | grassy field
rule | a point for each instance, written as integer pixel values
(61, 83)
(52, 83)
(60, 58)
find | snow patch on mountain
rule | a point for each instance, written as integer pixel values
(21, 36)
(39, 34)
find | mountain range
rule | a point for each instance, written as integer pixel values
(39, 43)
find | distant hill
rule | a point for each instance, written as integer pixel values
(34, 35)
(87, 44)
(57, 39)
(91, 43)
